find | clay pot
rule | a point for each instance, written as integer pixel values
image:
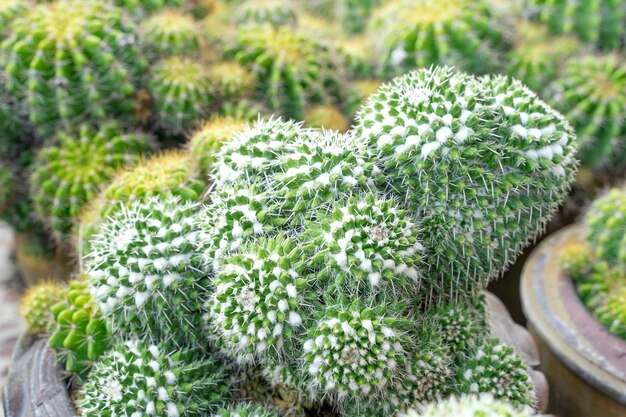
(585, 364)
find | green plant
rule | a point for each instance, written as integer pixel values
(591, 93)
(144, 7)
(483, 405)
(70, 175)
(10, 9)
(170, 32)
(605, 225)
(421, 33)
(231, 81)
(326, 116)
(182, 93)
(273, 12)
(359, 92)
(36, 304)
(141, 379)
(244, 109)
(354, 14)
(78, 333)
(208, 140)
(247, 410)
(72, 60)
(600, 22)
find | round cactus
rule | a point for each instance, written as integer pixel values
(360, 91)
(591, 93)
(247, 410)
(461, 322)
(605, 227)
(141, 380)
(326, 116)
(71, 174)
(182, 93)
(354, 14)
(231, 81)
(79, 334)
(36, 304)
(71, 60)
(600, 22)
(170, 32)
(495, 368)
(470, 406)
(484, 163)
(273, 12)
(208, 140)
(415, 34)
(145, 273)
(10, 9)
(292, 70)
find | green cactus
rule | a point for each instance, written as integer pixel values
(462, 322)
(414, 34)
(10, 9)
(292, 70)
(599, 22)
(141, 379)
(272, 12)
(158, 291)
(605, 225)
(182, 93)
(354, 14)
(483, 162)
(170, 32)
(6, 186)
(72, 60)
(483, 405)
(245, 109)
(247, 410)
(591, 93)
(495, 368)
(35, 306)
(231, 81)
(144, 7)
(326, 116)
(358, 54)
(208, 140)
(612, 312)
(79, 334)
(69, 175)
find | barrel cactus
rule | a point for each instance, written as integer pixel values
(591, 93)
(141, 379)
(36, 304)
(69, 175)
(273, 12)
(170, 32)
(470, 406)
(73, 60)
(208, 140)
(326, 116)
(231, 81)
(354, 14)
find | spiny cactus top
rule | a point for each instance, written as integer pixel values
(591, 92)
(420, 33)
(208, 140)
(231, 81)
(170, 32)
(145, 274)
(140, 380)
(292, 70)
(71, 60)
(71, 174)
(247, 410)
(36, 303)
(470, 406)
(483, 162)
(273, 12)
(600, 22)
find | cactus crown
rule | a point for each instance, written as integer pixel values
(208, 140)
(470, 406)
(273, 12)
(170, 32)
(36, 304)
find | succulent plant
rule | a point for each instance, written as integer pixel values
(483, 405)
(292, 70)
(79, 334)
(483, 162)
(495, 368)
(605, 225)
(414, 34)
(354, 14)
(599, 22)
(358, 55)
(10, 9)
(72, 60)
(170, 32)
(140, 379)
(461, 322)
(182, 93)
(145, 273)
(326, 116)
(245, 109)
(231, 81)
(143, 7)
(69, 175)
(246, 410)
(36, 304)
(208, 140)
(273, 12)
(591, 93)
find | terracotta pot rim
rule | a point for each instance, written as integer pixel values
(569, 330)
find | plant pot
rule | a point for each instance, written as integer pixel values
(37, 267)
(35, 386)
(585, 364)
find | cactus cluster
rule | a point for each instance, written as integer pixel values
(273, 12)
(470, 406)
(207, 141)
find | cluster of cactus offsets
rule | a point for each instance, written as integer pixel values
(421, 33)
(207, 141)
(79, 334)
(231, 81)
(470, 406)
(182, 92)
(247, 410)
(71, 60)
(273, 12)
(483, 162)
(140, 379)
(326, 116)
(70, 174)
(36, 305)
(170, 32)
(591, 93)
(600, 22)
(292, 70)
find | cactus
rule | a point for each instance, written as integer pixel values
(325, 116)
(359, 92)
(79, 334)
(69, 175)
(144, 7)
(605, 226)
(358, 55)
(181, 89)
(36, 304)
(612, 313)
(599, 22)
(483, 405)
(146, 277)
(170, 32)
(591, 93)
(273, 12)
(141, 379)
(244, 109)
(9, 10)
(208, 140)
(72, 60)
(292, 71)
(231, 81)
(484, 174)
(495, 368)
(6, 186)
(246, 410)
(354, 14)
(461, 322)
(13, 129)
(414, 34)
